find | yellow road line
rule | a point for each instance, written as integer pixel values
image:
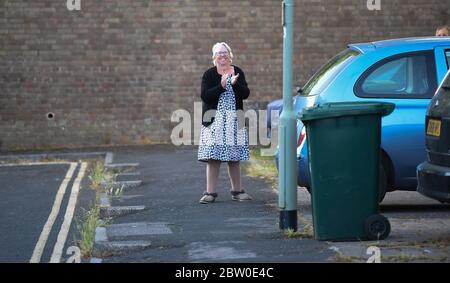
(62, 236)
(33, 163)
(40, 245)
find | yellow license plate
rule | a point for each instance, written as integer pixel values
(434, 128)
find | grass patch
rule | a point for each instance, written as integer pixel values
(103, 180)
(107, 222)
(438, 243)
(343, 259)
(26, 161)
(307, 226)
(305, 231)
(262, 167)
(97, 174)
(86, 225)
(291, 234)
(403, 258)
(89, 220)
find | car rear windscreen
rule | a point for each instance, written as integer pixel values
(328, 72)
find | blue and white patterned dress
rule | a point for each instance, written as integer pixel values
(223, 140)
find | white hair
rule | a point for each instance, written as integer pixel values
(218, 44)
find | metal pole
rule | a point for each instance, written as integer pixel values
(287, 200)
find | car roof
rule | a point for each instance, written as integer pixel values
(430, 42)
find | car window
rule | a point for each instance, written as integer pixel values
(446, 83)
(447, 56)
(328, 72)
(411, 75)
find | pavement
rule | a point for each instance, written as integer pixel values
(179, 229)
(420, 231)
(174, 227)
(156, 218)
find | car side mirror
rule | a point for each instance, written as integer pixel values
(299, 90)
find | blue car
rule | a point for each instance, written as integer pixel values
(402, 71)
(277, 106)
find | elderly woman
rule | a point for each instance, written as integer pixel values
(222, 140)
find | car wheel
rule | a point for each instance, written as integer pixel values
(383, 184)
(377, 227)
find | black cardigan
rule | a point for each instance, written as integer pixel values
(212, 88)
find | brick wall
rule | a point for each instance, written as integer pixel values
(114, 72)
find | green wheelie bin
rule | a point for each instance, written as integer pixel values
(344, 157)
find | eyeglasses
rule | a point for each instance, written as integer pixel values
(222, 54)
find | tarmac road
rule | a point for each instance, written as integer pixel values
(33, 197)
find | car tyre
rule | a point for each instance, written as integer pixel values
(382, 184)
(377, 227)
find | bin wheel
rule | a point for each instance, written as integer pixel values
(377, 227)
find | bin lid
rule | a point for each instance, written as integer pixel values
(339, 109)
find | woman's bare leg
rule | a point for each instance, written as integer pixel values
(234, 171)
(212, 174)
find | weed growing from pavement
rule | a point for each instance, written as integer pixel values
(107, 222)
(291, 234)
(306, 226)
(343, 259)
(97, 174)
(86, 225)
(101, 178)
(305, 232)
(404, 258)
(440, 243)
(117, 171)
(114, 191)
(109, 186)
(435, 243)
(90, 220)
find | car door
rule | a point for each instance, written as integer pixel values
(409, 80)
